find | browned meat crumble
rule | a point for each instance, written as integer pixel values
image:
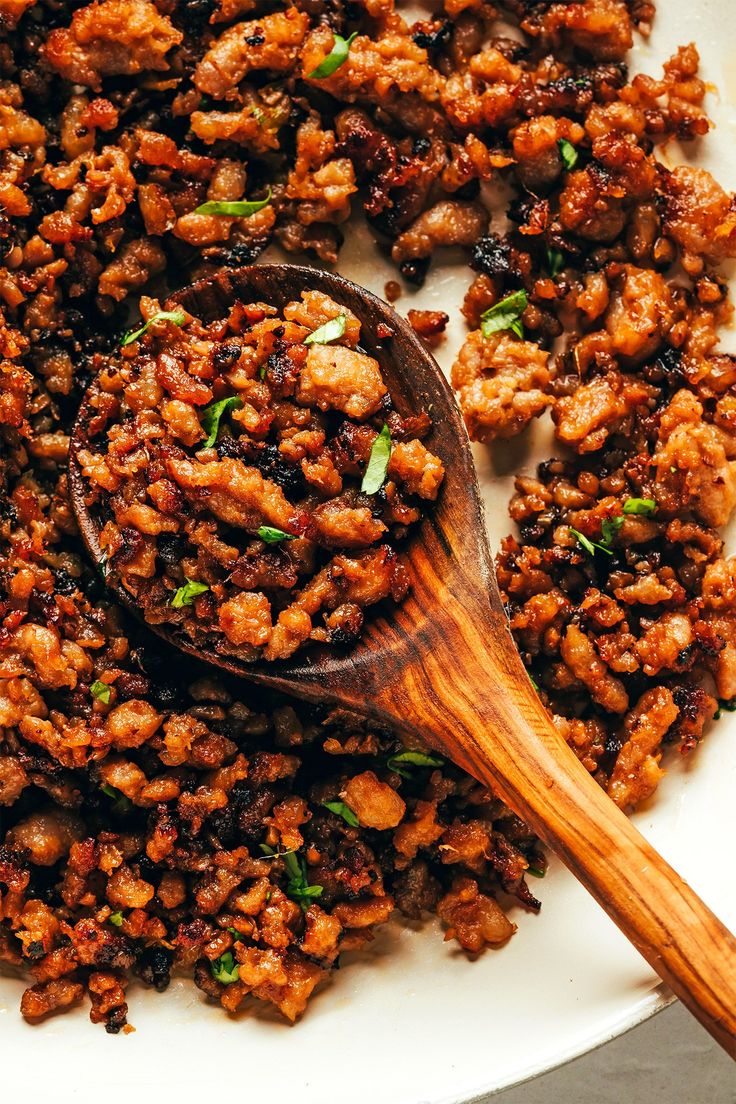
(154, 817)
(248, 477)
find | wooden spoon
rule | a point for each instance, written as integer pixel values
(442, 667)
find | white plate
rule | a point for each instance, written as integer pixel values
(412, 1021)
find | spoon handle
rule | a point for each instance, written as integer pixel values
(472, 699)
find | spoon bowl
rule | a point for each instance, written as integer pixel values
(442, 667)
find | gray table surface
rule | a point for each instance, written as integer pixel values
(668, 1060)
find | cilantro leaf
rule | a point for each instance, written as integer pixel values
(609, 529)
(177, 316)
(212, 414)
(298, 887)
(375, 473)
(330, 331)
(337, 56)
(404, 760)
(186, 594)
(272, 536)
(233, 208)
(116, 918)
(555, 261)
(589, 545)
(122, 803)
(568, 153)
(101, 691)
(644, 506)
(339, 808)
(225, 969)
(505, 315)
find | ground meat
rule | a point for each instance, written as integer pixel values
(185, 819)
(111, 38)
(206, 498)
(502, 384)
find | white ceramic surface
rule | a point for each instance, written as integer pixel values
(412, 1021)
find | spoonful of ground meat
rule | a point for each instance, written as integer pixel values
(246, 470)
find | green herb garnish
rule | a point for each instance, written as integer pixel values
(186, 594)
(400, 762)
(505, 315)
(555, 262)
(337, 56)
(233, 208)
(212, 415)
(644, 506)
(122, 803)
(225, 969)
(724, 707)
(330, 331)
(589, 545)
(272, 536)
(101, 691)
(568, 153)
(298, 887)
(609, 529)
(535, 871)
(375, 473)
(116, 918)
(177, 316)
(339, 808)
(237, 935)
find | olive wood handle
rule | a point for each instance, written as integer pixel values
(472, 699)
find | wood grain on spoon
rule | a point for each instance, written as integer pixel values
(443, 667)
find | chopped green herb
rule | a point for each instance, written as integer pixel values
(555, 262)
(262, 372)
(644, 506)
(403, 760)
(535, 871)
(298, 887)
(177, 316)
(186, 594)
(233, 208)
(259, 115)
(122, 803)
(330, 331)
(116, 918)
(339, 808)
(101, 691)
(237, 936)
(212, 415)
(102, 564)
(534, 682)
(589, 545)
(272, 536)
(375, 473)
(225, 969)
(724, 707)
(609, 529)
(337, 56)
(505, 315)
(568, 153)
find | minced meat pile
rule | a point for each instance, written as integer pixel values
(246, 474)
(155, 816)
